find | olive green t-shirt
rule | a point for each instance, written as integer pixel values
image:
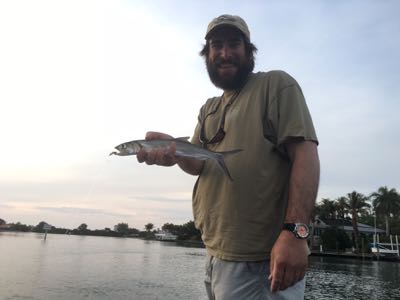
(241, 219)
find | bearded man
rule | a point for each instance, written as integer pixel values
(254, 227)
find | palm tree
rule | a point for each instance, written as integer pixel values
(386, 203)
(356, 203)
(325, 209)
(341, 208)
(149, 227)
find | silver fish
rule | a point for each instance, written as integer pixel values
(183, 149)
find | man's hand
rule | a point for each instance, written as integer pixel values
(161, 156)
(289, 259)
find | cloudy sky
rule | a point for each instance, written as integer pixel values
(79, 77)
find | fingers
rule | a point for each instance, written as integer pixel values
(284, 273)
(158, 156)
(141, 156)
(289, 259)
(288, 279)
(283, 276)
(152, 135)
(277, 277)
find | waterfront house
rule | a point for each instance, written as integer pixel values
(321, 224)
(343, 224)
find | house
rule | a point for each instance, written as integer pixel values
(346, 225)
(343, 224)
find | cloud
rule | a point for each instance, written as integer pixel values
(83, 211)
(165, 199)
(5, 206)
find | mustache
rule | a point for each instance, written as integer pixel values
(219, 61)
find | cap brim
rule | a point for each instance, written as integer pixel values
(221, 26)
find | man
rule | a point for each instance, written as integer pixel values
(254, 228)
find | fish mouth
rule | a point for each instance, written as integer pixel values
(113, 153)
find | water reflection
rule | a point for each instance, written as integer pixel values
(331, 278)
(82, 267)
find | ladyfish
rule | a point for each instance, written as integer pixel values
(183, 149)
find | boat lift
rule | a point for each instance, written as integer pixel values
(385, 250)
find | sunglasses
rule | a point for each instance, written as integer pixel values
(219, 136)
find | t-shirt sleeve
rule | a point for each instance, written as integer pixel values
(290, 117)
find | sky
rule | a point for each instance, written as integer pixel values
(80, 77)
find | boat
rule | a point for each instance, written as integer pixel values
(382, 252)
(166, 236)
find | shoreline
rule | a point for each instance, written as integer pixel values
(200, 244)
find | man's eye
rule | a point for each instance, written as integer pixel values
(234, 44)
(216, 45)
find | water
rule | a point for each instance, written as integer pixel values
(333, 278)
(83, 267)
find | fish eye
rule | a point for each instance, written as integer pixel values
(123, 146)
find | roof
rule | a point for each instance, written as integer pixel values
(346, 225)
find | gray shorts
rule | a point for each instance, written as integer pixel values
(231, 280)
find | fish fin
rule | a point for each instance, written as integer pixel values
(221, 162)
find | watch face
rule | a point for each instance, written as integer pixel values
(302, 231)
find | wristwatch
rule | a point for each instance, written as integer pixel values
(299, 230)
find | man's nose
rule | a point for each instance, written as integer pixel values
(226, 51)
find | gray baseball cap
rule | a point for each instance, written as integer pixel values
(228, 20)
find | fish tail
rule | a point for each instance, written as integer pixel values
(221, 162)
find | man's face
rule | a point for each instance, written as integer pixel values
(227, 63)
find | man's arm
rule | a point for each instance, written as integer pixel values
(166, 156)
(289, 255)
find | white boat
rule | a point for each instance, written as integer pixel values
(381, 251)
(165, 236)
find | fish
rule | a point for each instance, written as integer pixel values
(183, 149)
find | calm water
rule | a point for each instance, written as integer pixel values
(82, 267)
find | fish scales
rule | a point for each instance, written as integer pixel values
(183, 149)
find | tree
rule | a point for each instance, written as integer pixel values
(82, 227)
(2, 222)
(186, 231)
(386, 203)
(149, 227)
(39, 227)
(191, 232)
(325, 209)
(356, 203)
(21, 227)
(341, 208)
(171, 228)
(122, 228)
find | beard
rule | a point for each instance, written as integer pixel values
(232, 82)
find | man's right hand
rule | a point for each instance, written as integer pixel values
(158, 156)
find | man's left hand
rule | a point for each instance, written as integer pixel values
(289, 259)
